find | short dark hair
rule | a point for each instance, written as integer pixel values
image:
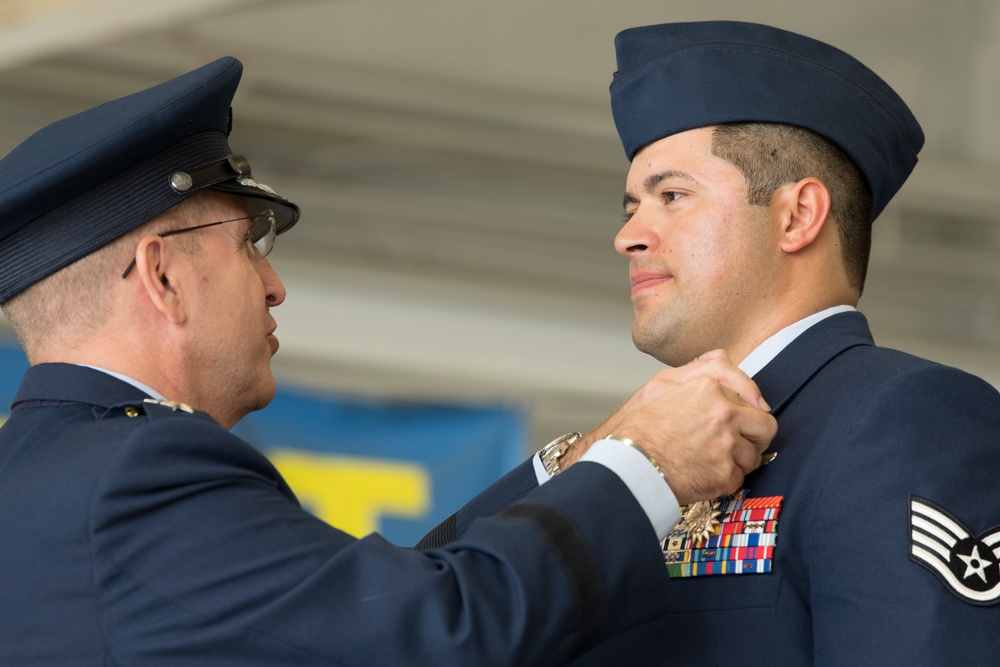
(773, 154)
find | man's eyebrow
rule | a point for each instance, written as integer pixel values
(654, 180)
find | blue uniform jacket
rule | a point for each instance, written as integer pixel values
(132, 534)
(865, 434)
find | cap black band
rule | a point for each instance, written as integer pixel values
(79, 227)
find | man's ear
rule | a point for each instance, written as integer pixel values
(804, 208)
(154, 264)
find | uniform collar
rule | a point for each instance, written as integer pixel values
(76, 384)
(132, 381)
(809, 352)
(764, 353)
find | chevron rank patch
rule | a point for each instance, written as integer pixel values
(969, 565)
(732, 535)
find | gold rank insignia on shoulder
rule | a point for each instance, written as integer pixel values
(967, 564)
(173, 405)
(731, 535)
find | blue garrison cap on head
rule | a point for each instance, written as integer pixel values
(80, 183)
(680, 76)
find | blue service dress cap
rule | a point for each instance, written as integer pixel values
(680, 76)
(81, 182)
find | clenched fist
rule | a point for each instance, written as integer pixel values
(705, 424)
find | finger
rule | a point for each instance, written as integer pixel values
(757, 427)
(716, 364)
(738, 381)
(732, 395)
(747, 457)
(712, 354)
(735, 483)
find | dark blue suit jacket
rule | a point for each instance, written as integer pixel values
(862, 432)
(131, 534)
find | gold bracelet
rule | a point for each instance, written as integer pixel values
(634, 445)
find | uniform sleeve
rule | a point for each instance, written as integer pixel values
(644, 482)
(512, 486)
(199, 551)
(929, 437)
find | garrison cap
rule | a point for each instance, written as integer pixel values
(81, 182)
(680, 76)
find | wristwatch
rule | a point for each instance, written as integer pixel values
(550, 454)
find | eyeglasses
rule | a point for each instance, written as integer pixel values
(261, 233)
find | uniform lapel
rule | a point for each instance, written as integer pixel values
(794, 366)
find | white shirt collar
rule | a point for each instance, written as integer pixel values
(763, 354)
(135, 383)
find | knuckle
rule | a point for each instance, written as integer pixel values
(725, 412)
(705, 383)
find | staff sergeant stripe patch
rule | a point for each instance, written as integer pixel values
(969, 565)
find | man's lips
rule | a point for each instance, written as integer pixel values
(272, 340)
(644, 280)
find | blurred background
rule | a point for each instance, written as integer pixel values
(461, 178)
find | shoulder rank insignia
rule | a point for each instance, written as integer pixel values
(969, 565)
(732, 535)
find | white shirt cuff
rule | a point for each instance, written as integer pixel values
(539, 469)
(642, 479)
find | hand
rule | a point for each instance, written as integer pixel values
(714, 364)
(705, 424)
(704, 438)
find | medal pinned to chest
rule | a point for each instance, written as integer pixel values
(735, 534)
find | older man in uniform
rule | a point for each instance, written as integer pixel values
(759, 159)
(137, 530)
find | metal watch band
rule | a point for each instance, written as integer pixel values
(555, 450)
